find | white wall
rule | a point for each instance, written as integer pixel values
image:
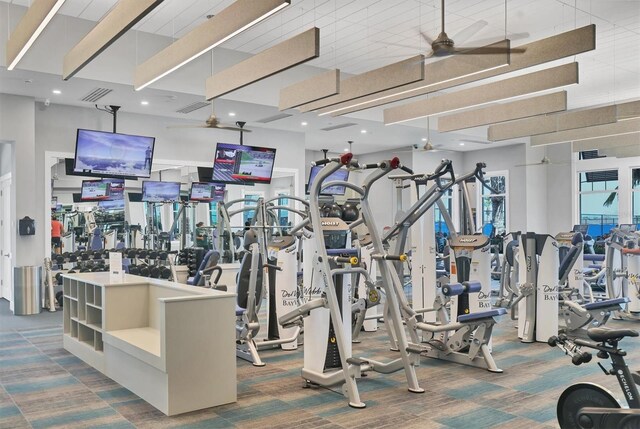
(5, 158)
(559, 189)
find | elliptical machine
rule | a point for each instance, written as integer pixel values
(587, 405)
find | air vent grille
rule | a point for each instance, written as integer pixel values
(96, 94)
(274, 118)
(192, 107)
(337, 127)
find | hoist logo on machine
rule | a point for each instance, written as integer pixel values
(467, 240)
(528, 263)
(330, 223)
(550, 292)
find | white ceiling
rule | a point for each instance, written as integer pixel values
(360, 35)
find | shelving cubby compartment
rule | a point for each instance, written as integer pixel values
(82, 316)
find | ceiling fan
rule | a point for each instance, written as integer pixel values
(544, 161)
(213, 122)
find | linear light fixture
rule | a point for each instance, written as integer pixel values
(29, 29)
(121, 18)
(434, 74)
(530, 83)
(233, 20)
(296, 50)
(539, 52)
(619, 128)
(626, 140)
(312, 89)
(549, 103)
(553, 123)
(377, 80)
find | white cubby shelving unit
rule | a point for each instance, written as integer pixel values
(171, 344)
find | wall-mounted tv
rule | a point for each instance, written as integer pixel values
(116, 188)
(158, 192)
(206, 192)
(69, 166)
(114, 154)
(342, 175)
(111, 204)
(237, 164)
(95, 190)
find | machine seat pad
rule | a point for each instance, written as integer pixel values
(606, 303)
(481, 315)
(593, 257)
(240, 311)
(604, 334)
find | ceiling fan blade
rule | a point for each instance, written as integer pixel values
(511, 36)
(466, 33)
(399, 45)
(426, 38)
(484, 50)
(231, 128)
(187, 126)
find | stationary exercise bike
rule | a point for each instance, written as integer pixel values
(587, 405)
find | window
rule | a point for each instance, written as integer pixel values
(635, 196)
(493, 207)
(247, 216)
(441, 227)
(283, 215)
(213, 213)
(598, 201)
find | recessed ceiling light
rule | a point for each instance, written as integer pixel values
(57, 91)
(461, 144)
(363, 131)
(304, 124)
(424, 139)
(232, 114)
(144, 102)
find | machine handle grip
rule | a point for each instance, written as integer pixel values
(322, 162)
(275, 267)
(406, 169)
(353, 260)
(401, 258)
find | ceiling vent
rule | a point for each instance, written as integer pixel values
(274, 118)
(192, 107)
(96, 94)
(337, 127)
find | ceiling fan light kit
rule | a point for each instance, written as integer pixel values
(296, 50)
(566, 74)
(29, 29)
(231, 21)
(315, 88)
(533, 106)
(120, 18)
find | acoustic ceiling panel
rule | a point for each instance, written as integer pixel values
(542, 80)
(518, 109)
(374, 81)
(539, 52)
(120, 18)
(630, 109)
(29, 28)
(553, 123)
(296, 50)
(628, 126)
(232, 20)
(434, 73)
(312, 89)
(599, 143)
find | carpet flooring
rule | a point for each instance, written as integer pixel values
(43, 386)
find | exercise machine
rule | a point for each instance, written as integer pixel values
(622, 269)
(587, 405)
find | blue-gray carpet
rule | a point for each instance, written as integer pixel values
(42, 385)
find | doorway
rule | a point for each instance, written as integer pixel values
(6, 275)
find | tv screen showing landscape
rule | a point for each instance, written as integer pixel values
(111, 205)
(206, 192)
(99, 152)
(158, 192)
(116, 188)
(342, 175)
(237, 164)
(94, 190)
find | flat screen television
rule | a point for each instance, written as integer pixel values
(206, 192)
(69, 166)
(114, 154)
(95, 190)
(157, 192)
(111, 204)
(236, 164)
(116, 188)
(341, 174)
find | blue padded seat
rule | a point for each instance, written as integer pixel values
(606, 303)
(593, 257)
(481, 315)
(240, 311)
